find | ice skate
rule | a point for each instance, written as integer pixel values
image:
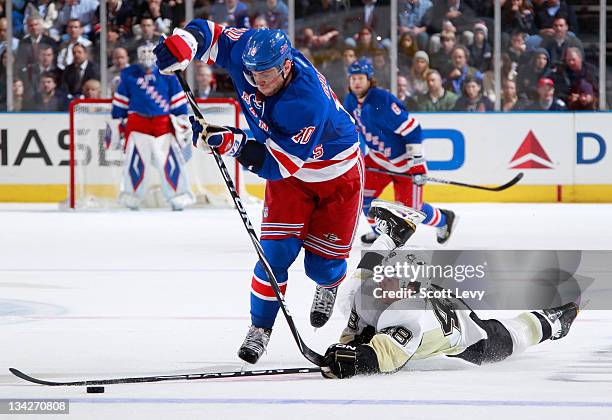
(322, 305)
(444, 232)
(395, 220)
(561, 319)
(254, 344)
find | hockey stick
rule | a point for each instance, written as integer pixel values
(309, 354)
(505, 186)
(163, 378)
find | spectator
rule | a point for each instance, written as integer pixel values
(260, 22)
(517, 49)
(120, 60)
(472, 99)
(231, 13)
(115, 40)
(508, 72)
(336, 72)
(461, 70)
(376, 19)
(458, 13)
(49, 98)
(316, 42)
(581, 97)
(518, 15)
(205, 85)
(437, 98)
(404, 94)
(27, 52)
(92, 89)
(413, 19)
(417, 83)
(480, 50)
(45, 64)
(46, 9)
(119, 16)
(160, 12)
(178, 13)
(80, 71)
(547, 101)
(405, 51)
(146, 31)
(3, 31)
(573, 71)
(545, 17)
(441, 60)
(561, 40)
(529, 75)
(277, 15)
(82, 10)
(381, 69)
(22, 101)
(510, 101)
(75, 36)
(366, 43)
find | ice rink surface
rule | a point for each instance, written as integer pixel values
(107, 294)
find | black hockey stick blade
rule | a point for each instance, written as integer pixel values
(163, 378)
(505, 186)
(307, 352)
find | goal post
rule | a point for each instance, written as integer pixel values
(95, 171)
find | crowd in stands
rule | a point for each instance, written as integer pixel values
(445, 52)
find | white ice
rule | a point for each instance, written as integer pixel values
(107, 294)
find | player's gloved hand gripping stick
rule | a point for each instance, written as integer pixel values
(210, 131)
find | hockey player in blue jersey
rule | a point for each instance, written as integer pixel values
(156, 110)
(305, 145)
(393, 144)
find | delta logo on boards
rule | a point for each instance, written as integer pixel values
(531, 155)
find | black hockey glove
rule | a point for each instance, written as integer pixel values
(344, 361)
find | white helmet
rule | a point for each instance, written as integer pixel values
(145, 55)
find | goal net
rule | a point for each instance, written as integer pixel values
(95, 171)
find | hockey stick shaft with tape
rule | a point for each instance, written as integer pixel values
(502, 187)
(308, 353)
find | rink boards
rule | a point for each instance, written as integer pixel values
(564, 156)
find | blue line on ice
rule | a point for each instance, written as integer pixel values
(289, 401)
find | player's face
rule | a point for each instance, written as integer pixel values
(270, 81)
(359, 84)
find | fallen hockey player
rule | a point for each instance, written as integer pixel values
(385, 333)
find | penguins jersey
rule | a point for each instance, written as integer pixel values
(148, 94)
(392, 136)
(306, 131)
(408, 329)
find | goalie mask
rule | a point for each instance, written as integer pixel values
(146, 57)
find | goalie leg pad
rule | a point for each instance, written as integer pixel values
(135, 167)
(281, 254)
(171, 164)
